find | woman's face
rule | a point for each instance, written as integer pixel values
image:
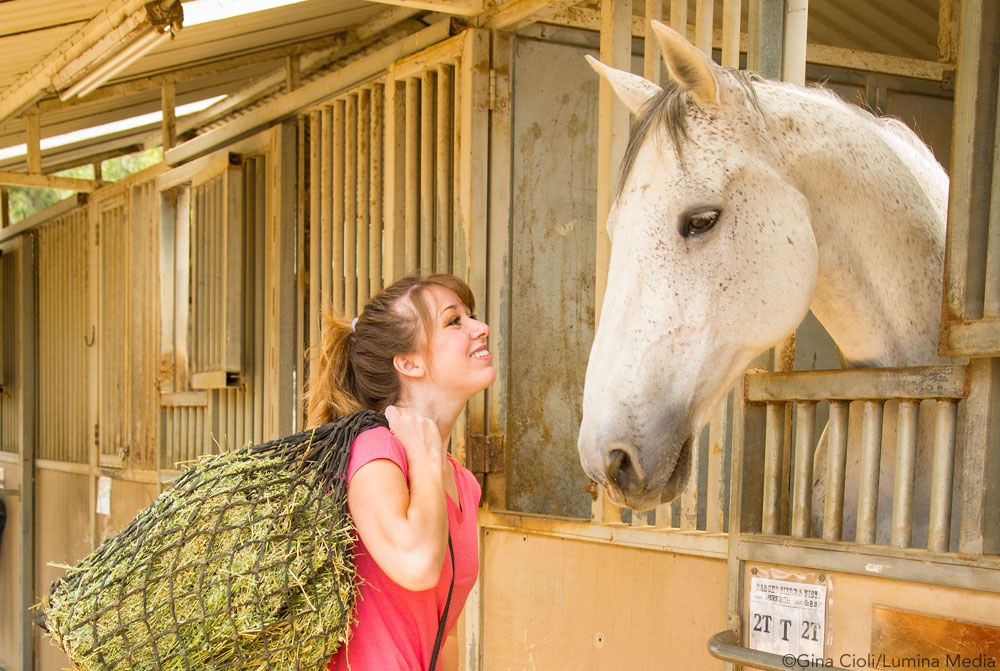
(456, 355)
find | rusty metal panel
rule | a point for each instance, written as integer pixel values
(64, 336)
(553, 238)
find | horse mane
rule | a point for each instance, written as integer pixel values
(668, 109)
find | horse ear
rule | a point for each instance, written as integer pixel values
(633, 90)
(687, 65)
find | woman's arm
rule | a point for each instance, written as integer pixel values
(404, 529)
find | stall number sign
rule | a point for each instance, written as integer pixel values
(787, 618)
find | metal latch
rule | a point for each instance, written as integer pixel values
(486, 453)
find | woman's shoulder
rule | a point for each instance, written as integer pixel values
(376, 443)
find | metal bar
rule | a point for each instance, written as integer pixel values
(939, 524)
(445, 168)
(725, 646)
(802, 488)
(376, 189)
(412, 212)
(679, 16)
(703, 21)
(315, 227)
(363, 211)
(793, 57)
(337, 198)
(848, 385)
(27, 365)
(323, 236)
(718, 434)
(428, 124)
(731, 10)
(773, 439)
(652, 65)
(350, 206)
(836, 460)
(902, 493)
(871, 450)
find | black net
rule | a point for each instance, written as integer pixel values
(244, 563)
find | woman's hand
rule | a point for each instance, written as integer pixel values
(419, 435)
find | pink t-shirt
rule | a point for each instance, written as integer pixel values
(396, 627)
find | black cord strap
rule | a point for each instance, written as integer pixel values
(447, 605)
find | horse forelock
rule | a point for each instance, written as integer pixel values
(668, 110)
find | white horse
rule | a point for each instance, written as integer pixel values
(742, 204)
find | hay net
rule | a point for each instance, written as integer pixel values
(244, 563)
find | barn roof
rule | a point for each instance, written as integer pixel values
(236, 63)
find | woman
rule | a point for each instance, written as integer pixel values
(417, 353)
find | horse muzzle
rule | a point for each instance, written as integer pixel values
(628, 484)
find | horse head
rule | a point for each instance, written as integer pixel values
(713, 260)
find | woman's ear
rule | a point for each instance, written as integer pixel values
(410, 366)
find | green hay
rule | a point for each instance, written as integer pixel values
(245, 563)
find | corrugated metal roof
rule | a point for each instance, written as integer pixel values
(33, 30)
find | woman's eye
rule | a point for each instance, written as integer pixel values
(700, 222)
(455, 321)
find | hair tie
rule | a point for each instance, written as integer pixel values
(354, 324)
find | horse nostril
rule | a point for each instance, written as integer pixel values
(624, 471)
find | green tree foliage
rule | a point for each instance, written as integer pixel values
(25, 201)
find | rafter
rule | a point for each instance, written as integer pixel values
(48, 181)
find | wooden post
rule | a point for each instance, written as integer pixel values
(293, 72)
(4, 206)
(793, 62)
(612, 136)
(168, 126)
(34, 143)
(679, 16)
(703, 26)
(731, 10)
(27, 367)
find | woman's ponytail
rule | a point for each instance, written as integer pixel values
(330, 394)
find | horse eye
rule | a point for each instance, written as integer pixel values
(700, 222)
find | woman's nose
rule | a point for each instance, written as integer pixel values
(480, 329)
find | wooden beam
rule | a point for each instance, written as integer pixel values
(168, 125)
(293, 72)
(34, 143)
(310, 94)
(33, 84)
(48, 182)
(870, 384)
(515, 14)
(4, 208)
(819, 54)
(456, 7)
(947, 35)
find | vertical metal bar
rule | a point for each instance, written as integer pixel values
(351, 206)
(445, 169)
(689, 497)
(836, 461)
(718, 433)
(337, 194)
(27, 365)
(942, 475)
(679, 16)
(773, 443)
(364, 185)
(394, 187)
(871, 452)
(703, 25)
(793, 58)
(651, 63)
(731, 10)
(805, 444)
(412, 216)
(428, 126)
(902, 492)
(324, 232)
(376, 189)
(315, 227)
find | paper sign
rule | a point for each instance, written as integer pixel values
(787, 618)
(103, 495)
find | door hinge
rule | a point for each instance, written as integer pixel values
(486, 453)
(493, 89)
